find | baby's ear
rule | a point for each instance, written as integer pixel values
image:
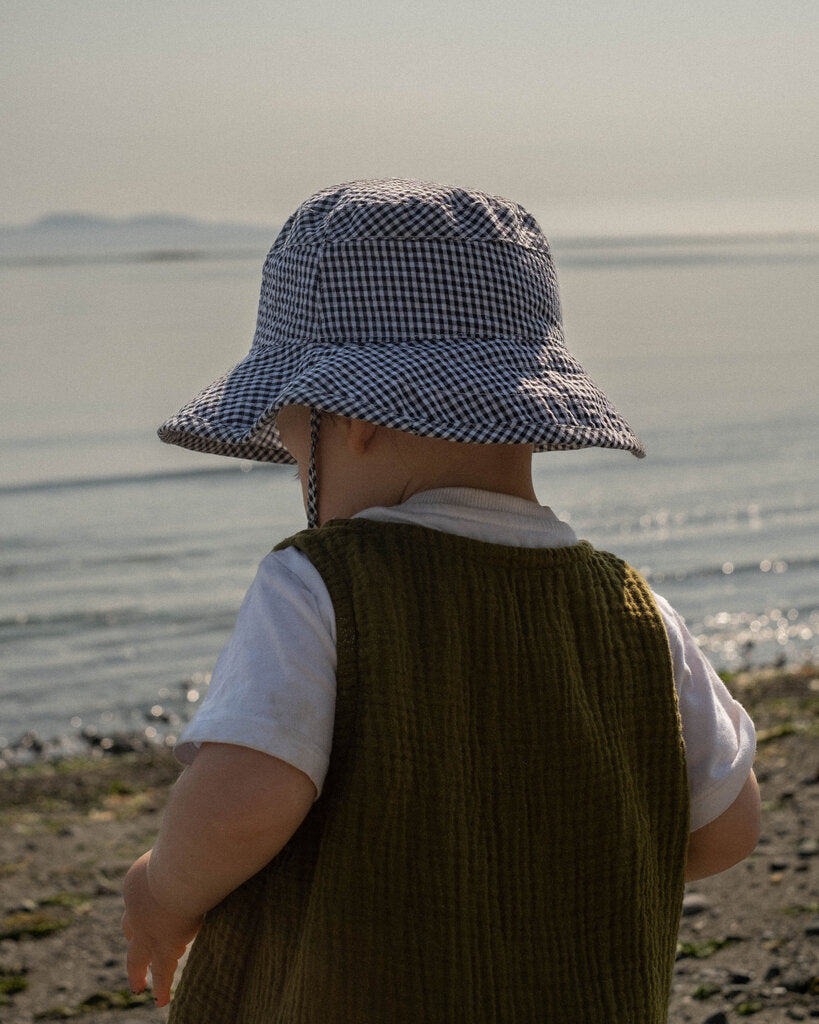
(360, 434)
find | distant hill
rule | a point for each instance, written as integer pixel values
(65, 236)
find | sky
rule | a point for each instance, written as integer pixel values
(595, 115)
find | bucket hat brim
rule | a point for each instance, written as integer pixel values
(422, 307)
(535, 399)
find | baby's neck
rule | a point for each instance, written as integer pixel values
(394, 465)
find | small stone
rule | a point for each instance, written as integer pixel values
(739, 978)
(797, 981)
(772, 973)
(812, 929)
(808, 848)
(694, 903)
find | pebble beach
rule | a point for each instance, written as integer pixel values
(748, 943)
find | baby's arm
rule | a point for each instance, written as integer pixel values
(229, 814)
(728, 839)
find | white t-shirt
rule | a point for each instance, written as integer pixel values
(273, 687)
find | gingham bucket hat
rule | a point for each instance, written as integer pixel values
(430, 309)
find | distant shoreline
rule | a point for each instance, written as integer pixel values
(148, 256)
(577, 251)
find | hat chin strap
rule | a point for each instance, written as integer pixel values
(312, 476)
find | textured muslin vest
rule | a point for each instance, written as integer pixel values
(502, 833)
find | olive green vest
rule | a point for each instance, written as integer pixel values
(501, 837)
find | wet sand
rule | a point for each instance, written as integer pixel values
(748, 942)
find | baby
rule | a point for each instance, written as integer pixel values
(454, 765)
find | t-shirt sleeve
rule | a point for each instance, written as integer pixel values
(720, 741)
(273, 687)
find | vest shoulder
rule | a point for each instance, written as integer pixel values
(363, 534)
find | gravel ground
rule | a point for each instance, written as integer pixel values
(748, 942)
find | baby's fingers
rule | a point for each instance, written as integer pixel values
(162, 972)
(136, 962)
(163, 968)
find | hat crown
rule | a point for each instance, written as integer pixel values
(403, 261)
(400, 209)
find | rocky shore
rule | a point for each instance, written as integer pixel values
(748, 942)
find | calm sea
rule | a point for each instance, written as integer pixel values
(124, 561)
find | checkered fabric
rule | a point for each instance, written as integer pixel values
(427, 308)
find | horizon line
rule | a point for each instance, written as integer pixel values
(644, 248)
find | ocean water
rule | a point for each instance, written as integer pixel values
(123, 561)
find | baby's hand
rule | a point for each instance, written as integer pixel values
(156, 937)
